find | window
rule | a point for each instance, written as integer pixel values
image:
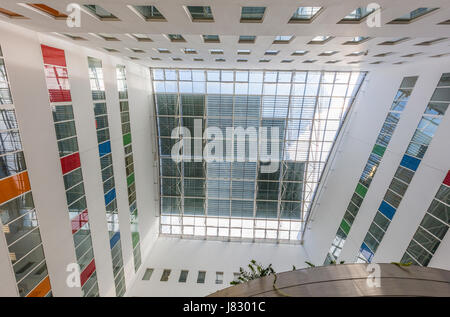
(73, 37)
(328, 53)
(413, 15)
(271, 52)
(320, 39)
(236, 277)
(148, 273)
(163, 50)
(148, 13)
(176, 38)
(200, 13)
(283, 39)
(219, 277)
(287, 60)
(165, 275)
(252, 14)
(100, 12)
(225, 190)
(140, 37)
(216, 51)
(211, 38)
(305, 14)
(358, 15)
(299, 53)
(394, 41)
(106, 37)
(356, 40)
(247, 39)
(183, 276)
(189, 51)
(201, 277)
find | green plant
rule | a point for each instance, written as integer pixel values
(256, 271)
(402, 264)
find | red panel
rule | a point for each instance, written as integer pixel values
(57, 83)
(79, 221)
(71, 162)
(53, 56)
(447, 179)
(88, 270)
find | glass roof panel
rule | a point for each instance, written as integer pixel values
(245, 163)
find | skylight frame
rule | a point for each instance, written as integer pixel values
(175, 38)
(320, 39)
(87, 8)
(45, 10)
(11, 14)
(250, 19)
(234, 229)
(215, 38)
(208, 14)
(153, 18)
(249, 40)
(357, 40)
(349, 20)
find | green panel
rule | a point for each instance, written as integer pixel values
(130, 179)
(345, 226)
(379, 150)
(127, 139)
(361, 190)
(135, 237)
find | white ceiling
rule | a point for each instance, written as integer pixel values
(227, 25)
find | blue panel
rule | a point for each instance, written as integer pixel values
(104, 148)
(114, 239)
(366, 253)
(110, 196)
(387, 210)
(410, 162)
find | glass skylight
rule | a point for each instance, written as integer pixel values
(240, 195)
(148, 12)
(247, 38)
(211, 38)
(321, 39)
(357, 15)
(252, 14)
(199, 13)
(415, 14)
(100, 12)
(176, 38)
(305, 14)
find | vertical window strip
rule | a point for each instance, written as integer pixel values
(433, 114)
(129, 162)
(18, 217)
(432, 229)
(370, 169)
(57, 80)
(104, 144)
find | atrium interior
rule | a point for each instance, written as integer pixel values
(152, 148)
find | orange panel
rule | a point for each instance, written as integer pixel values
(14, 186)
(42, 289)
(45, 8)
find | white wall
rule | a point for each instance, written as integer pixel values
(210, 256)
(365, 123)
(23, 58)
